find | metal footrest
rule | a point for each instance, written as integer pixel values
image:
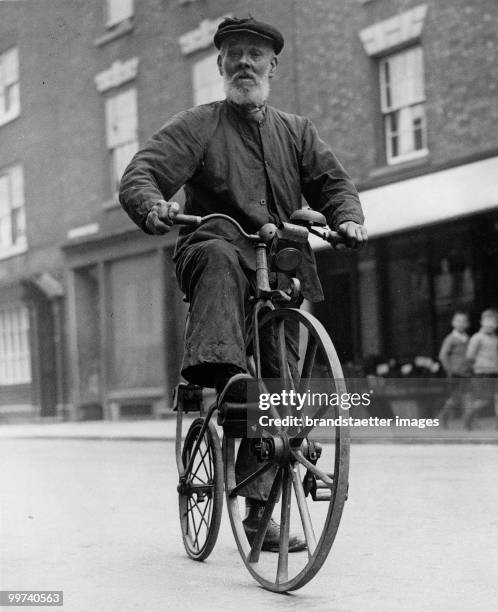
(315, 487)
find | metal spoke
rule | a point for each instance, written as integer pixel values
(264, 468)
(204, 463)
(194, 474)
(309, 533)
(202, 513)
(210, 463)
(283, 552)
(195, 543)
(257, 543)
(197, 531)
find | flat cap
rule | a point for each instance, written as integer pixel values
(248, 25)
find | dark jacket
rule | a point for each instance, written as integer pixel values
(253, 171)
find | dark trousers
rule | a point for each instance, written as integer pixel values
(217, 287)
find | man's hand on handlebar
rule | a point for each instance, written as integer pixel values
(355, 235)
(160, 217)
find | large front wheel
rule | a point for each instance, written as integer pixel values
(302, 471)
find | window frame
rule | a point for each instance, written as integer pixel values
(14, 109)
(114, 148)
(16, 211)
(15, 349)
(213, 87)
(401, 107)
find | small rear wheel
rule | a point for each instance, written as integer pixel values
(201, 491)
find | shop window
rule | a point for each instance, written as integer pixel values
(453, 276)
(122, 137)
(10, 105)
(12, 213)
(207, 81)
(117, 11)
(409, 298)
(402, 96)
(15, 361)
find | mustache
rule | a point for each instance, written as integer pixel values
(244, 74)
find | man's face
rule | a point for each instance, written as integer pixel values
(247, 63)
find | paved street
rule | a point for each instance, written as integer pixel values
(98, 519)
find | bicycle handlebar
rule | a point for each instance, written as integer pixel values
(267, 232)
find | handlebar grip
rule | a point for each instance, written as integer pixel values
(182, 219)
(334, 238)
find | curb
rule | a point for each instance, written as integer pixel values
(167, 438)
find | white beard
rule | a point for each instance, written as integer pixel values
(254, 95)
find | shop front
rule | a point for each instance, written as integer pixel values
(126, 325)
(31, 348)
(433, 250)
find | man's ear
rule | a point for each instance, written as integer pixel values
(218, 61)
(273, 66)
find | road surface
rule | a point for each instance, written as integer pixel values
(98, 519)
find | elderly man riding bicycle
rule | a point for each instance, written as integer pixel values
(253, 162)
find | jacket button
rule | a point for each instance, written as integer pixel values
(262, 202)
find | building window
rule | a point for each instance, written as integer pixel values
(402, 104)
(122, 132)
(15, 362)
(207, 81)
(118, 11)
(10, 105)
(12, 214)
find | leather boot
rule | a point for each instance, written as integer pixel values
(272, 538)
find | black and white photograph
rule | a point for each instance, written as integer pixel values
(249, 305)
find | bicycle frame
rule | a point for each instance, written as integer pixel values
(263, 300)
(260, 301)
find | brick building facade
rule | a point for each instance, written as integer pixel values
(90, 316)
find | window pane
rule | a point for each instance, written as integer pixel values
(11, 101)
(9, 85)
(402, 79)
(5, 233)
(207, 82)
(18, 225)
(121, 118)
(406, 131)
(14, 346)
(402, 95)
(121, 158)
(4, 196)
(409, 300)
(118, 10)
(12, 214)
(17, 187)
(10, 65)
(391, 126)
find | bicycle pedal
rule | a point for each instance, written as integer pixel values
(315, 487)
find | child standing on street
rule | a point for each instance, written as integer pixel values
(453, 359)
(482, 355)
